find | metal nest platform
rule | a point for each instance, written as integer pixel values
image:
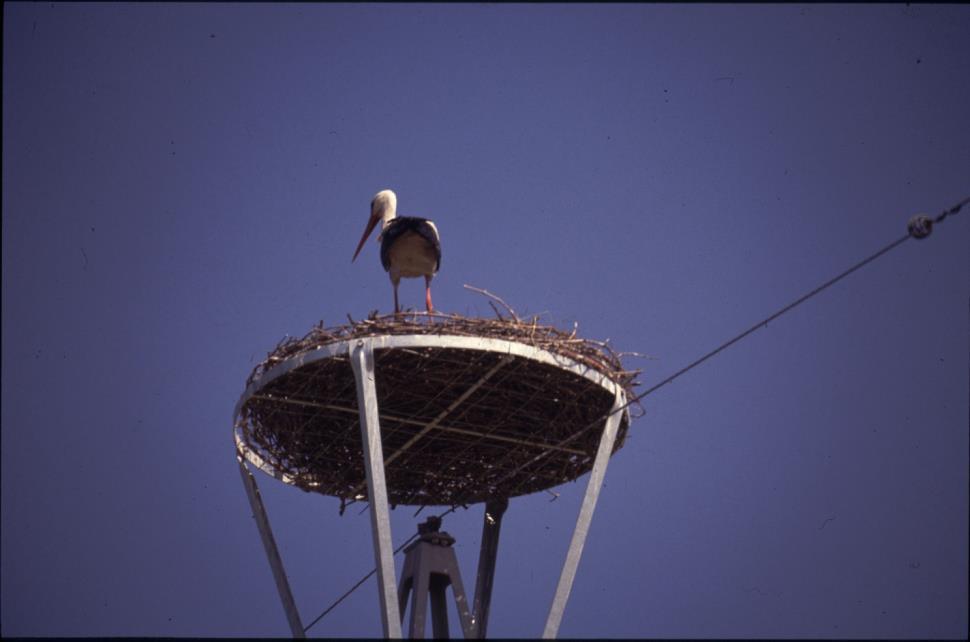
(470, 409)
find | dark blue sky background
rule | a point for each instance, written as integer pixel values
(184, 184)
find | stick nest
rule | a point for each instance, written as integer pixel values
(458, 426)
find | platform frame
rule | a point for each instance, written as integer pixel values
(361, 353)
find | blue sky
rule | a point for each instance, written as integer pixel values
(184, 185)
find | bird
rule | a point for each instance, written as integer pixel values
(410, 246)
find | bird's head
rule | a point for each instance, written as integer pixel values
(382, 208)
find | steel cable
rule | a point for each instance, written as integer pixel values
(919, 227)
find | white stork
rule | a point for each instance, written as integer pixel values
(410, 246)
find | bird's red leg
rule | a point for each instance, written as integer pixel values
(427, 293)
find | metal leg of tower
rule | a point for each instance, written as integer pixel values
(419, 602)
(492, 524)
(439, 606)
(585, 517)
(362, 362)
(272, 553)
(405, 587)
(465, 618)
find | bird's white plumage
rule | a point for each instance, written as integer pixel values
(384, 207)
(411, 256)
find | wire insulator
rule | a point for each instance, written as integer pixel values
(920, 226)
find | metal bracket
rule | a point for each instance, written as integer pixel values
(272, 553)
(491, 526)
(585, 516)
(362, 362)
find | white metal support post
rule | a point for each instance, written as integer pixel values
(272, 553)
(585, 517)
(362, 362)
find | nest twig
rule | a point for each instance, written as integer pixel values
(304, 423)
(596, 354)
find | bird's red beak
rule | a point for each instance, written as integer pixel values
(363, 239)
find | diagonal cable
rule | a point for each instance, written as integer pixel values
(919, 227)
